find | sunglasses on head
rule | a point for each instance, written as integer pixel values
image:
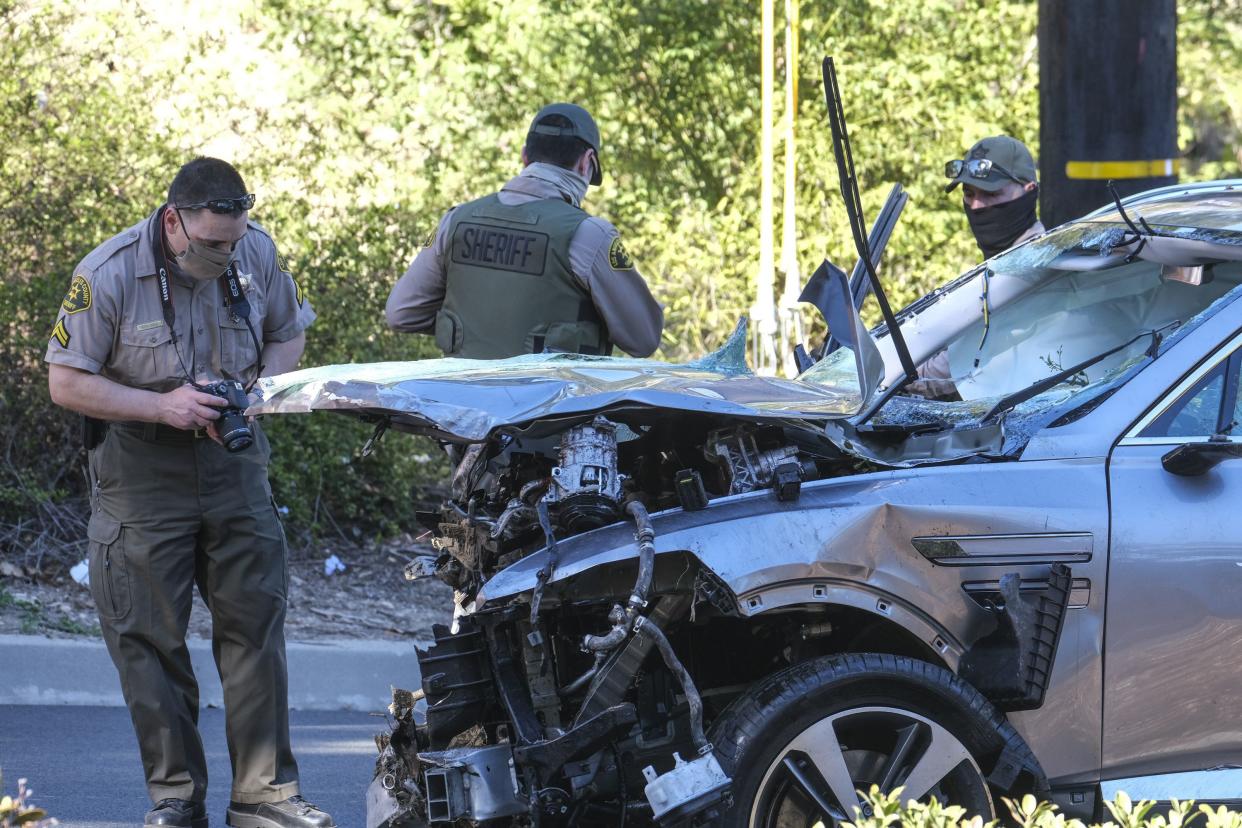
(981, 168)
(222, 205)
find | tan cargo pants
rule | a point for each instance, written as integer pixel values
(169, 510)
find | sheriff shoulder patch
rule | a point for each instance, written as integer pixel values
(60, 333)
(618, 259)
(297, 291)
(431, 237)
(78, 298)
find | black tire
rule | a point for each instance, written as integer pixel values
(873, 705)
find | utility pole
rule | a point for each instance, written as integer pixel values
(1108, 101)
(790, 315)
(763, 312)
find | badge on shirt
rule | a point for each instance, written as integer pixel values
(618, 259)
(60, 333)
(78, 298)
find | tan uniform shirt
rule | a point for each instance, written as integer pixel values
(111, 321)
(633, 317)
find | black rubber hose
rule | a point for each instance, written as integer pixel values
(613, 638)
(621, 624)
(581, 681)
(683, 677)
(646, 556)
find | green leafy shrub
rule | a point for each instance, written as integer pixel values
(886, 810)
(358, 122)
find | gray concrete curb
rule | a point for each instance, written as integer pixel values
(323, 675)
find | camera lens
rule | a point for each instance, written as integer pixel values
(235, 433)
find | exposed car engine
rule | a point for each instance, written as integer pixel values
(584, 476)
(589, 716)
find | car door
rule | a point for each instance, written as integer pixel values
(1173, 635)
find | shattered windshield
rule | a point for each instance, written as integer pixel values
(1191, 211)
(1034, 312)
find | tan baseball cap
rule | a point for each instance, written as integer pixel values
(991, 163)
(581, 125)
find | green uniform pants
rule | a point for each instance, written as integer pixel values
(170, 509)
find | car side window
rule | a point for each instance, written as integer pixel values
(1211, 406)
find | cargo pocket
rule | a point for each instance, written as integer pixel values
(148, 356)
(450, 335)
(572, 338)
(109, 571)
(284, 541)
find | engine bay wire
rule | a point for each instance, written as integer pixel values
(987, 313)
(549, 565)
(679, 671)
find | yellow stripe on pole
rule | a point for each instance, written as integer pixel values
(1098, 170)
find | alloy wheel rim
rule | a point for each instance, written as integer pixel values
(813, 778)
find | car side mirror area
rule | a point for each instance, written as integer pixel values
(1193, 459)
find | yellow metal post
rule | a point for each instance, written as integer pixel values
(790, 317)
(763, 312)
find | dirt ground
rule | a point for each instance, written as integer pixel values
(371, 599)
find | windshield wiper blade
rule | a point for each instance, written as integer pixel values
(1139, 236)
(1015, 399)
(853, 208)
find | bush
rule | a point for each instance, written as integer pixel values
(889, 810)
(358, 122)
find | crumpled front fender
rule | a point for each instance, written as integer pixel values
(845, 541)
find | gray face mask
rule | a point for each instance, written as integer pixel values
(570, 184)
(199, 261)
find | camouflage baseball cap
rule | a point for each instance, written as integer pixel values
(581, 126)
(991, 163)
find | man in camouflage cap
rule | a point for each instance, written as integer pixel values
(999, 193)
(1000, 196)
(192, 295)
(526, 270)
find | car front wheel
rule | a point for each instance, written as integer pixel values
(803, 741)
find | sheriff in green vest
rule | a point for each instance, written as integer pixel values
(526, 270)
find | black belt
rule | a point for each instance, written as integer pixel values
(160, 433)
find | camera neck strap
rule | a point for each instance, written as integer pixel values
(234, 297)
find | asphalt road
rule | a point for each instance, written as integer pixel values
(83, 765)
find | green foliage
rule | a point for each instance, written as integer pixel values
(885, 810)
(358, 122)
(1209, 90)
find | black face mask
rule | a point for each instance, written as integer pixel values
(996, 228)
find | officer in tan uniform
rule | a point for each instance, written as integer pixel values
(195, 293)
(526, 270)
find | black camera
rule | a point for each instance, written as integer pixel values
(232, 427)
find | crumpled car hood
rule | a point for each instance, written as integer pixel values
(465, 400)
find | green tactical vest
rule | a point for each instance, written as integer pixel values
(509, 288)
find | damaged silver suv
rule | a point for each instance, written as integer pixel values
(690, 594)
